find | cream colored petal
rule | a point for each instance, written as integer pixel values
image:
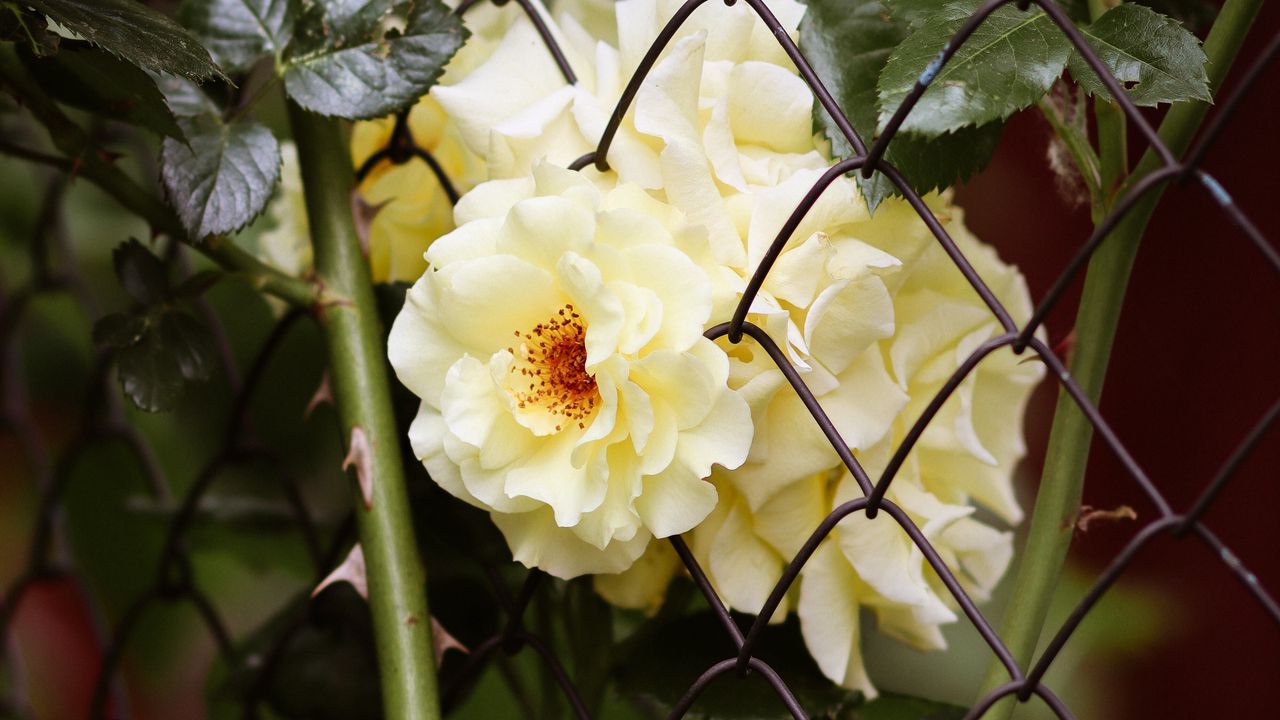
(867, 401)
(828, 609)
(789, 517)
(682, 289)
(846, 318)
(881, 553)
(983, 551)
(426, 437)
(493, 199)
(483, 304)
(674, 501)
(788, 125)
(601, 310)
(643, 586)
(722, 438)
(550, 477)
(798, 273)
(536, 541)
(420, 348)
(469, 403)
(745, 568)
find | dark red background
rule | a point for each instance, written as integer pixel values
(1195, 366)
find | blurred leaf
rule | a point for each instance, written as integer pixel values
(1156, 59)
(118, 330)
(141, 274)
(1008, 63)
(29, 30)
(135, 33)
(91, 79)
(661, 669)
(848, 43)
(224, 177)
(347, 60)
(891, 706)
(149, 374)
(326, 669)
(240, 32)
(189, 342)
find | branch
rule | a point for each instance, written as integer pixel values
(362, 391)
(82, 159)
(1062, 482)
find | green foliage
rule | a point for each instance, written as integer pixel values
(1007, 64)
(657, 675)
(1156, 59)
(848, 43)
(223, 177)
(135, 33)
(354, 62)
(96, 81)
(238, 33)
(158, 347)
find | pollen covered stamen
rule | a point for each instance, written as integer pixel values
(552, 358)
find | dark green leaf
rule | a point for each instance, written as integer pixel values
(150, 374)
(92, 79)
(1154, 58)
(240, 32)
(29, 30)
(656, 676)
(1008, 63)
(934, 163)
(916, 12)
(327, 670)
(141, 274)
(190, 343)
(224, 178)
(848, 43)
(185, 98)
(118, 330)
(347, 63)
(133, 32)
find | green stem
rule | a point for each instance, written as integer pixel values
(1058, 500)
(82, 159)
(362, 392)
(1076, 143)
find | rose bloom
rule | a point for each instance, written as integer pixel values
(966, 456)
(556, 343)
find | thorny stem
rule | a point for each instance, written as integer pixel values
(362, 394)
(1058, 500)
(82, 159)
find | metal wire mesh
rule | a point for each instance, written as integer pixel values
(104, 420)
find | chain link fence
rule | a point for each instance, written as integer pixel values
(104, 420)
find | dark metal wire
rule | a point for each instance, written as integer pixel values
(105, 421)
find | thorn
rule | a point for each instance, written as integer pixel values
(363, 213)
(351, 570)
(322, 395)
(1088, 514)
(358, 455)
(442, 641)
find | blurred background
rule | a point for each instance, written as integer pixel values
(1195, 366)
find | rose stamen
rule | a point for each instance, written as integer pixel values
(553, 360)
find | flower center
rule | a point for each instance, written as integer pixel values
(553, 362)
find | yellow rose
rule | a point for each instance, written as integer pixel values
(556, 343)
